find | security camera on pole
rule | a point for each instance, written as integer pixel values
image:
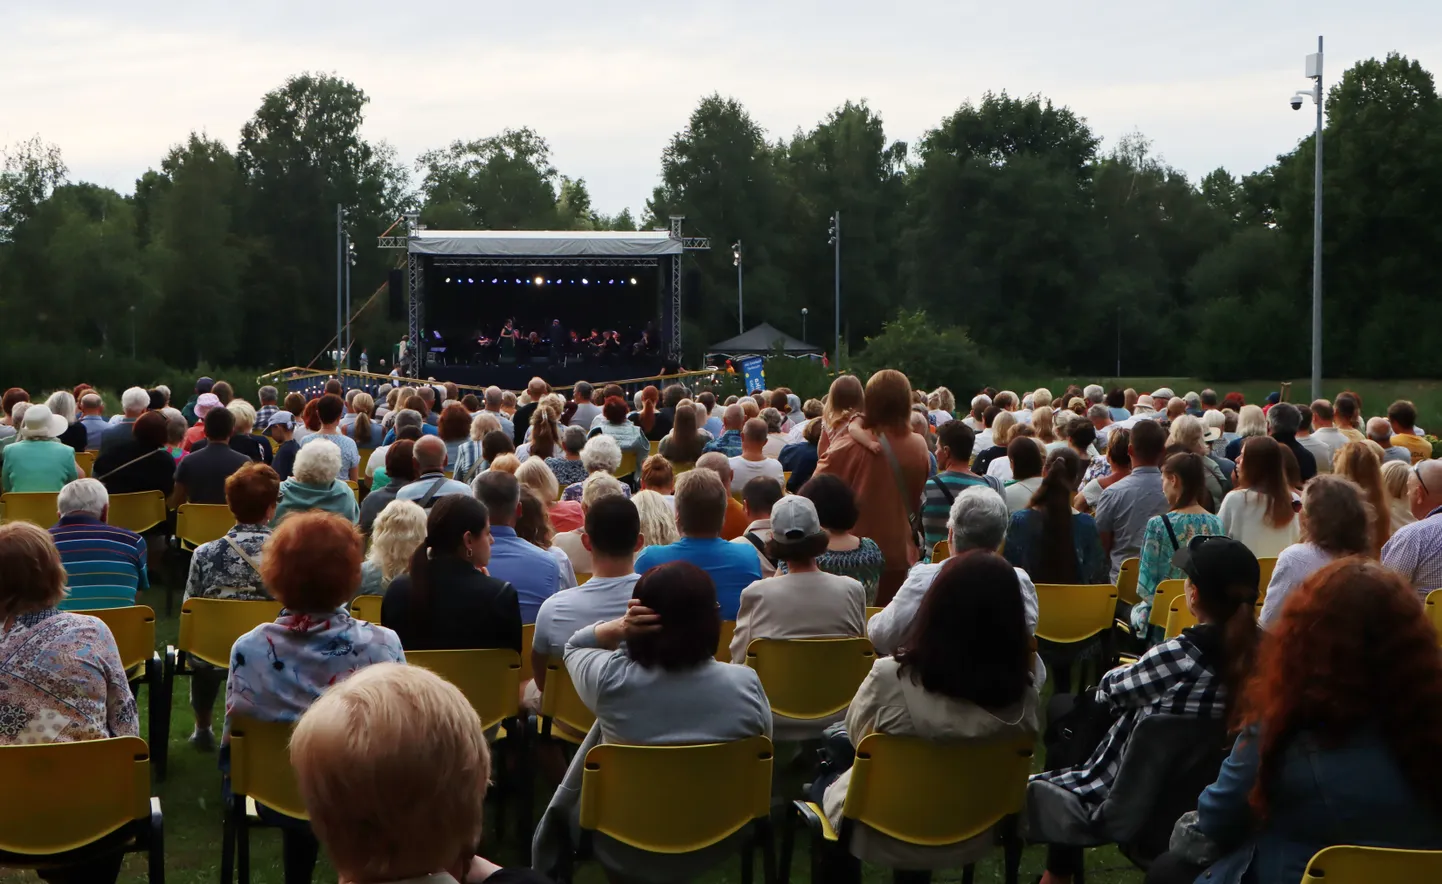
(1314, 72)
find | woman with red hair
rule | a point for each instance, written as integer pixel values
(1341, 737)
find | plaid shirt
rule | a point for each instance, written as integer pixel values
(1171, 678)
(263, 416)
(1415, 552)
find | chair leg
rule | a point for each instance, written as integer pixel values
(904, 876)
(1011, 847)
(968, 874)
(768, 852)
(154, 706)
(748, 860)
(155, 855)
(242, 842)
(788, 845)
(227, 845)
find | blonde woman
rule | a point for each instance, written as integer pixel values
(658, 520)
(1251, 421)
(1394, 481)
(533, 473)
(844, 401)
(364, 428)
(1358, 462)
(398, 532)
(1003, 428)
(1045, 425)
(1189, 434)
(257, 448)
(469, 454)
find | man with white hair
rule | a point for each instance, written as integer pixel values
(269, 405)
(1194, 403)
(92, 418)
(1415, 551)
(976, 420)
(104, 565)
(494, 396)
(978, 521)
(1379, 430)
(432, 484)
(1094, 394)
(133, 403)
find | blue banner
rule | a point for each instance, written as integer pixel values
(753, 370)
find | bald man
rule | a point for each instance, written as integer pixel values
(1415, 551)
(430, 455)
(752, 461)
(729, 442)
(1379, 430)
(736, 521)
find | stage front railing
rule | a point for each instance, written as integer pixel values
(309, 381)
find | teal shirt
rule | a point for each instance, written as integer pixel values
(38, 465)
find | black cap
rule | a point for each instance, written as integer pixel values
(1215, 563)
(157, 400)
(203, 386)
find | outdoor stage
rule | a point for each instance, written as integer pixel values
(482, 304)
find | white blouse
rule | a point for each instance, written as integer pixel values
(1244, 517)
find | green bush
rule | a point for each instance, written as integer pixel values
(930, 354)
(42, 368)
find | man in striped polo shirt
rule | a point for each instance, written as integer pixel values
(104, 565)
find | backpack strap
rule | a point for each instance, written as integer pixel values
(760, 545)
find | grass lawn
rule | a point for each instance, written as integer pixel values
(190, 798)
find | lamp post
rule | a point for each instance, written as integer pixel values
(740, 301)
(350, 259)
(339, 275)
(132, 332)
(1314, 73)
(803, 323)
(835, 242)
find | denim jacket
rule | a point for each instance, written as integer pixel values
(1354, 793)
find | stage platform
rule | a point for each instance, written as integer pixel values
(514, 377)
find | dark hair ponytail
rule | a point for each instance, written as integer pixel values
(1057, 562)
(1233, 610)
(450, 519)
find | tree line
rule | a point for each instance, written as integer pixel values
(1006, 235)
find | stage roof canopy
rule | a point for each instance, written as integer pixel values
(762, 340)
(544, 243)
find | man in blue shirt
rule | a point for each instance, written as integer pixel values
(104, 565)
(701, 502)
(92, 417)
(729, 442)
(534, 573)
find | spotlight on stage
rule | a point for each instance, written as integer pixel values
(633, 280)
(493, 282)
(471, 281)
(540, 281)
(448, 279)
(585, 282)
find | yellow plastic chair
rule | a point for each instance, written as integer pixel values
(1373, 865)
(260, 773)
(209, 627)
(1433, 607)
(85, 462)
(582, 577)
(38, 507)
(941, 551)
(1127, 580)
(677, 799)
(62, 797)
(1179, 616)
(560, 704)
(628, 464)
(365, 458)
(785, 481)
(1162, 601)
(366, 607)
(138, 511)
(1268, 566)
(354, 487)
(655, 447)
(1069, 614)
(872, 612)
(133, 629)
(197, 523)
(723, 644)
(893, 791)
(528, 640)
(810, 678)
(679, 468)
(490, 679)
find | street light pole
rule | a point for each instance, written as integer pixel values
(349, 262)
(803, 323)
(740, 300)
(836, 247)
(1314, 73)
(339, 273)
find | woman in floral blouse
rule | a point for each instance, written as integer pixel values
(312, 566)
(1184, 480)
(229, 568)
(846, 554)
(42, 647)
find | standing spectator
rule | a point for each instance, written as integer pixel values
(1047, 538)
(757, 500)
(401, 470)
(330, 409)
(847, 554)
(38, 460)
(1335, 524)
(1184, 484)
(533, 572)
(312, 566)
(701, 502)
(133, 403)
(315, 487)
(1125, 510)
(1258, 512)
(1415, 551)
(92, 417)
(104, 565)
(1357, 462)
(1402, 415)
(447, 600)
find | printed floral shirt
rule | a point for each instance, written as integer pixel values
(217, 571)
(277, 670)
(61, 681)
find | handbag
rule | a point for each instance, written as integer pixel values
(913, 513)
(1073, 736)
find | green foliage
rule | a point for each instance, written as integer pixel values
(805, 377)
(929, 353)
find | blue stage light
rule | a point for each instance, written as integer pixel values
(493, 282)
(471, 281)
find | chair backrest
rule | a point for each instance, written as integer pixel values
(366, 607)
(1165, 765)
(628, 464)
(1433, 607)
(365, 458)
(1179, 616)
(675, 799)
(260, 764)
(528, 640)
(582, 577)
(561, 703)
(1073, 613)
(1127, 580)
(197, 523)
(138, 511)
(1267, 567)
(682, 467)
(490, 678)
(941, 551)
(209, 627)
(85, 461)
(132, 627)
(56, 797)
(655, 447)
(893, 789)
(1162, 600)
(1347, 864)
(354, 487)
(723, 644)
(872, 612)
(40, 507)
(810, 678)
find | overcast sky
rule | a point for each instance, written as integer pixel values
(608, 84)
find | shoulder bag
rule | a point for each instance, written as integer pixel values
(913, 514)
